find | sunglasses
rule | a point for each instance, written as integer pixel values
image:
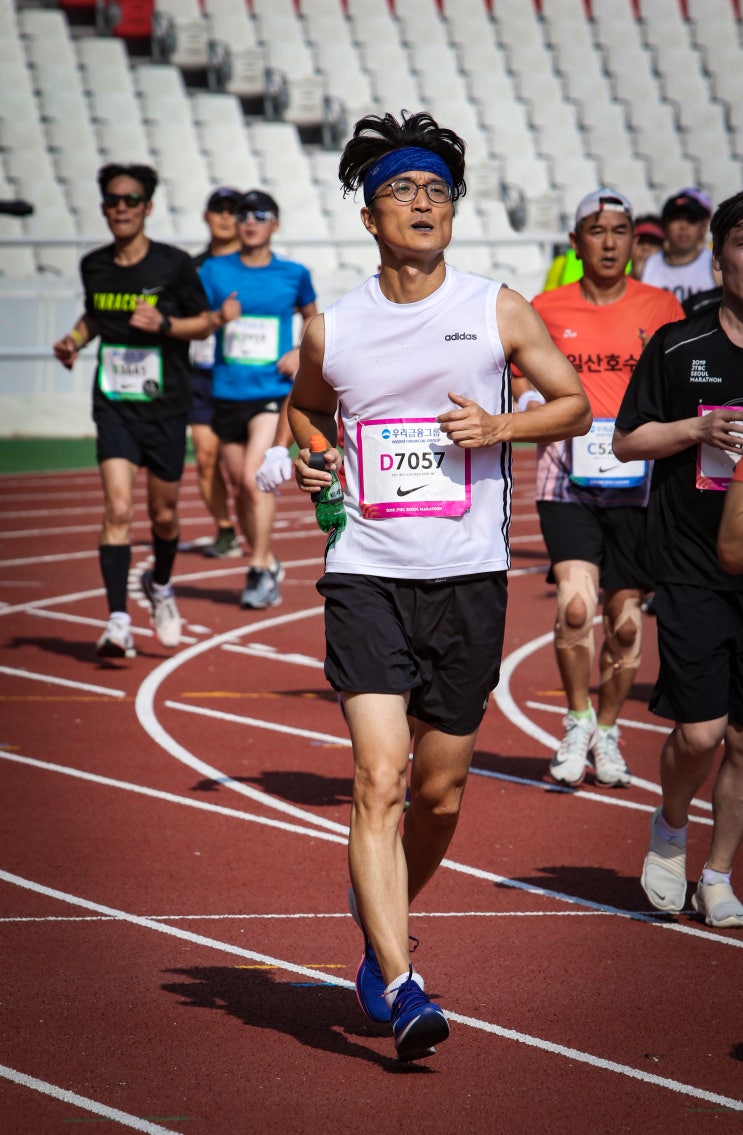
(259, 216)
(223, 207)
(131, 200)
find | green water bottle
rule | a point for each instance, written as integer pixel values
(330, 510)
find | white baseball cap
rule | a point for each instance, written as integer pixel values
(603, 200)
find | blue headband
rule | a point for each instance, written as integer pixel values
(402, 161)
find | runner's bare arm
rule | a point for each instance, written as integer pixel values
(719, 428)
(147, 317)
(526, 342)
(312, 408)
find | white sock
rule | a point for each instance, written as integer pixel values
(390, 992)
(669, 834)
(163, 590)
(709, 876)
(121, 617)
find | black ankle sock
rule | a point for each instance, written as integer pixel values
(115, 560)
(165, 551)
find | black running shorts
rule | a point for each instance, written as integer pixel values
(157, 446)
(700, 642)
(202, 408)
(441, 640)
(231, 419)
(612, 538)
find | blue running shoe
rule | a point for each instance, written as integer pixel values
(370, 984)
(370, 987)
(417, 1023)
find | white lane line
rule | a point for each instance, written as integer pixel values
(341, 838)
(140, 527)
(333, 979)
(111, 1114)
(504, 699)
(63, 682)
(599, 797)
(256, 723)
(77, 596)
(606, 798)
(599, 1063)
(172, 798)
(625, 722)
(144, 707)
(288, 917)
(24, 561)
(260, 651)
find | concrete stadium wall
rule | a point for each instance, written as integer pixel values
(38, 397)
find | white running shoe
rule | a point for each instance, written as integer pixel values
(608, 762)
(663, 876)
(165, 617)
(116, 640)
(568, 766)
(718, 904)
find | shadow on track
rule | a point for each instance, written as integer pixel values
(596, 884)
(298, 787)
(319, 1016)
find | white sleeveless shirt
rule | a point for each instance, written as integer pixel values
(682, 280)
(418, 506)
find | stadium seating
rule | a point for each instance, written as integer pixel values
(552, 96)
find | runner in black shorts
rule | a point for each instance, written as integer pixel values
(683, 408)
(592, 508)
(611, 538)
(417, 361)
(219, 216)
(144, 301)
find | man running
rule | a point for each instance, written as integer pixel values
(417, 359)
(144, 301)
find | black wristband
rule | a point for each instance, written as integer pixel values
(165, 325)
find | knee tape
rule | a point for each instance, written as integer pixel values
(577, 585)
(618, 654)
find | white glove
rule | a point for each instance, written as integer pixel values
(277, 467)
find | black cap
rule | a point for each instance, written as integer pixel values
(255, 200)
(223, 195)
(695, 202)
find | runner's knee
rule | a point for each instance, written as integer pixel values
(622, 639)
(576, 608)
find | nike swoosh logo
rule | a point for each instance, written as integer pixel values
(152, 291)
(608, 468)
(658, 895)
(406, 492)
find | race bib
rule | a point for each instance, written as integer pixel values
(201, 353)
(715, 466)
(408, 467)
(130, 374)
(251, 340)
(594, 465)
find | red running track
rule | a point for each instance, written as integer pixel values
(177, 953)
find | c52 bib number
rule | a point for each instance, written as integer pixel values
(594, 465)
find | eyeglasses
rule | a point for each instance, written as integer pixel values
(404, 191)
(131, 200)
(258, 216)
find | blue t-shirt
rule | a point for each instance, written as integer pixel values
(248, 348)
